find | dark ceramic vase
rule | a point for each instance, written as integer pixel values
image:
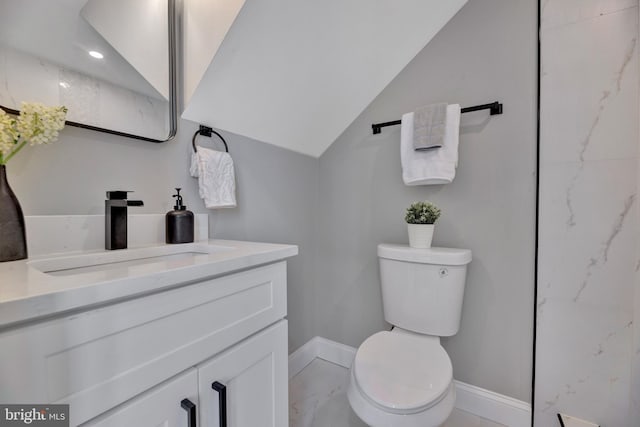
(13, 239)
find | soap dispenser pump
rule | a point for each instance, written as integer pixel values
(179, 222)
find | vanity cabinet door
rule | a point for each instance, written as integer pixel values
(170, 404)
(251, 379)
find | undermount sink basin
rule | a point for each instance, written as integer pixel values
(112, 260)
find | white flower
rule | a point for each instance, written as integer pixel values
(36, 124)
(39, 124)
(8, 133)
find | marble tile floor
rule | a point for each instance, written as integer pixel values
(318, 398)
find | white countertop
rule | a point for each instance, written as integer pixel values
(27, 294)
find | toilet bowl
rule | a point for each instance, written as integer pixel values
(404, 377)
(403, 380)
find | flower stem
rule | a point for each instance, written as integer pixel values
(13, 152)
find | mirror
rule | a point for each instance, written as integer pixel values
(110, 62)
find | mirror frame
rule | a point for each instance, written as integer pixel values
(173, 101)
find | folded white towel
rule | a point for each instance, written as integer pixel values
(216, 177)
(435, 166)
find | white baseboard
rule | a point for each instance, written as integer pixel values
(322, 348)
(475, 400)
(304, 355)
(492, 406)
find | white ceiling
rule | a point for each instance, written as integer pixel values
(204, 26)
(296, 73)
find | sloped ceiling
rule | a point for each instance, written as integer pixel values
(296, 73)
(204, 26)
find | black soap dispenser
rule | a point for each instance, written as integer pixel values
(179, 222)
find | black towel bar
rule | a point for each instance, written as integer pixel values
(494, 108)
(207, 131)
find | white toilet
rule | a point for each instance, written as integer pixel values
(403, 377)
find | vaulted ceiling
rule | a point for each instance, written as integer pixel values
(296, 73)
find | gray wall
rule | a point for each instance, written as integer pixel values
(487, 52)
(276, 192)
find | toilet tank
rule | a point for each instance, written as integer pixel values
(423, 289)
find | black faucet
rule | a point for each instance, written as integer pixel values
(115, 211)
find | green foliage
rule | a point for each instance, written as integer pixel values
(422, 213)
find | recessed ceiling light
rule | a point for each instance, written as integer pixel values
(96, 54)
(65, 85)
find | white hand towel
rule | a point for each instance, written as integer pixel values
(431, 167)
(216, 177)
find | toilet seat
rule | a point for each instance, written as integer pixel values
(402, 373)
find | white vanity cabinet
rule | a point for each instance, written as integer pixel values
(133, 361)
(245, 386)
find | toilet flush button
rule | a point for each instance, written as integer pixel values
(444, 272)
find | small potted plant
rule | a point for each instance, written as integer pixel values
(420, 218)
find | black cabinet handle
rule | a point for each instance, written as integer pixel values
(190, 407)
(222, 402)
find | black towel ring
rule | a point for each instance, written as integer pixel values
(207, 131)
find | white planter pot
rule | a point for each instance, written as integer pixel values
(420, 235)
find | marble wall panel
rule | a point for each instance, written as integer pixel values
(589, 218)
(562, 12)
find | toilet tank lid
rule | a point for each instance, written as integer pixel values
(438, 256)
